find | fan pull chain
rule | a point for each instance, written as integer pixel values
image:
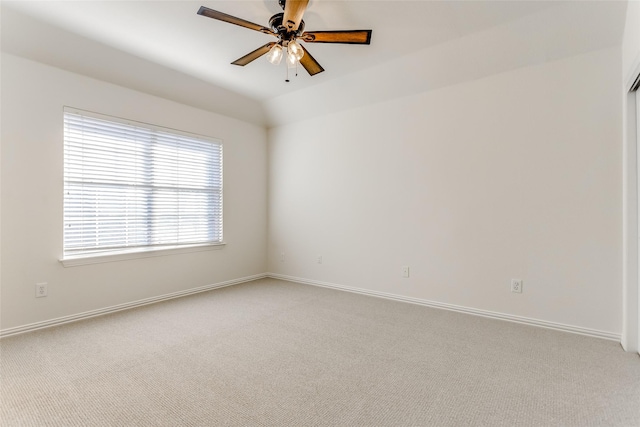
(287, 79)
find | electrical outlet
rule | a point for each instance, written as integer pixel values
(41, 290)
(405, 271)
(516, 285)
(319, 259)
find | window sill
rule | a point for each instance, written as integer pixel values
(139, 253)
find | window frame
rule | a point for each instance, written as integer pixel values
(144, 251)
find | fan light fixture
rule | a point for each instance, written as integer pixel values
(295, 49)
(294, 53)
(292, 61)
(275, 54)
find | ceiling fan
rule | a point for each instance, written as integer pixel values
(288, 27)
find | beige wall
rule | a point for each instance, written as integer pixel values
(32, 180)
(631, 41)
(517, 175)
(630, 70)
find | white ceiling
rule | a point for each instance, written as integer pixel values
(125, 41)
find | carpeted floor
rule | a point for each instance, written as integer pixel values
(275, 353)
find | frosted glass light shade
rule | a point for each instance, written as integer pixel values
(295, 49)
(291, 60)
(275, 54)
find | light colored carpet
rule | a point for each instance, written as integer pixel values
(276, 353)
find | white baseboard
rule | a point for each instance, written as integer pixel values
(477, 312)
(101, 311)
(474, 311)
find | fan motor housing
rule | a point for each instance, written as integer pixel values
(275, 22)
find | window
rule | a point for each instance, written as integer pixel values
(134, 187)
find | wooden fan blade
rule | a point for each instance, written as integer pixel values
(348, 37)
(293, 11)
(254, 55)
(310, 64)
(210, 13)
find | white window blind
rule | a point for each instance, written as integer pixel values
(130, 186)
